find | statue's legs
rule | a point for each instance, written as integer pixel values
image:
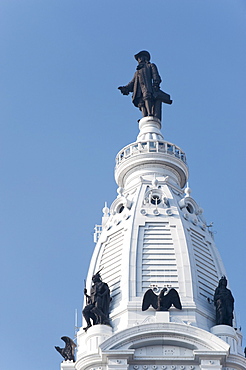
(88, 315)
(146, 106)
(141, 106)
(101, 317)
(149, 107)
(144, 111)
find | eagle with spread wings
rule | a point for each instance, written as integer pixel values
(67, 352)
(162, 301)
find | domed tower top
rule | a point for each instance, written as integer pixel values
(153, 238)
(154, 235)
(151, 154)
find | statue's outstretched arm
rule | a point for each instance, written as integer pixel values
(125, 90)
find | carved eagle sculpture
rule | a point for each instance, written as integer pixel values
(67, 352)
(161, 302)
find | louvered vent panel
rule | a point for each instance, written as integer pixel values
(206, 271)
(111, 264)
(157, 260)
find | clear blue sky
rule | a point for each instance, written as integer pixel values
(63, 121)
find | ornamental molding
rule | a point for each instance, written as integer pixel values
(236, 362)
(125, 170)
(181, 334)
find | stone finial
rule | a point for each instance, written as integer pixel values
(155, 182)
(105, 210)
(187, 191)
(120, 191)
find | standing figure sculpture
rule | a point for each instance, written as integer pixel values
(97, 303)
(224, 303)
(145, 87)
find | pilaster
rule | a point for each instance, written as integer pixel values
(117, 364)
(210, 365)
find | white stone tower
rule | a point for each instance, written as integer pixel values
(154, 236)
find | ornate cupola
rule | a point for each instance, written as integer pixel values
(154, 244)
(154, 236)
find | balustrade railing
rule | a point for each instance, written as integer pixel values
(150, 147)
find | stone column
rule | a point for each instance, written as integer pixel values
(68, 365)
(89, 342)
(229, 335)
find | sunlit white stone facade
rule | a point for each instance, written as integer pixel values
(154, 235)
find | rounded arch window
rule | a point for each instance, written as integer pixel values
(155, 199)
(120, 208)
(190, 208)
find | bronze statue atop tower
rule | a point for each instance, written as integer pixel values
(145, 87)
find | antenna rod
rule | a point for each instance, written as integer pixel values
(76, 319)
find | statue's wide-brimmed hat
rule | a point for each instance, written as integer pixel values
(143, 52)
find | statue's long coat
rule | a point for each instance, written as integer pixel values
(142, 83)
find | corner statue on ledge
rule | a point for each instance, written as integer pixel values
(161, 302)
(145, 87)
(224, 303)
(67, 352)
(97, 303)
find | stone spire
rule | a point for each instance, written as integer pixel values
(154, 236)
(154, 296)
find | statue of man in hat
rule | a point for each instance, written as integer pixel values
(145, 87)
